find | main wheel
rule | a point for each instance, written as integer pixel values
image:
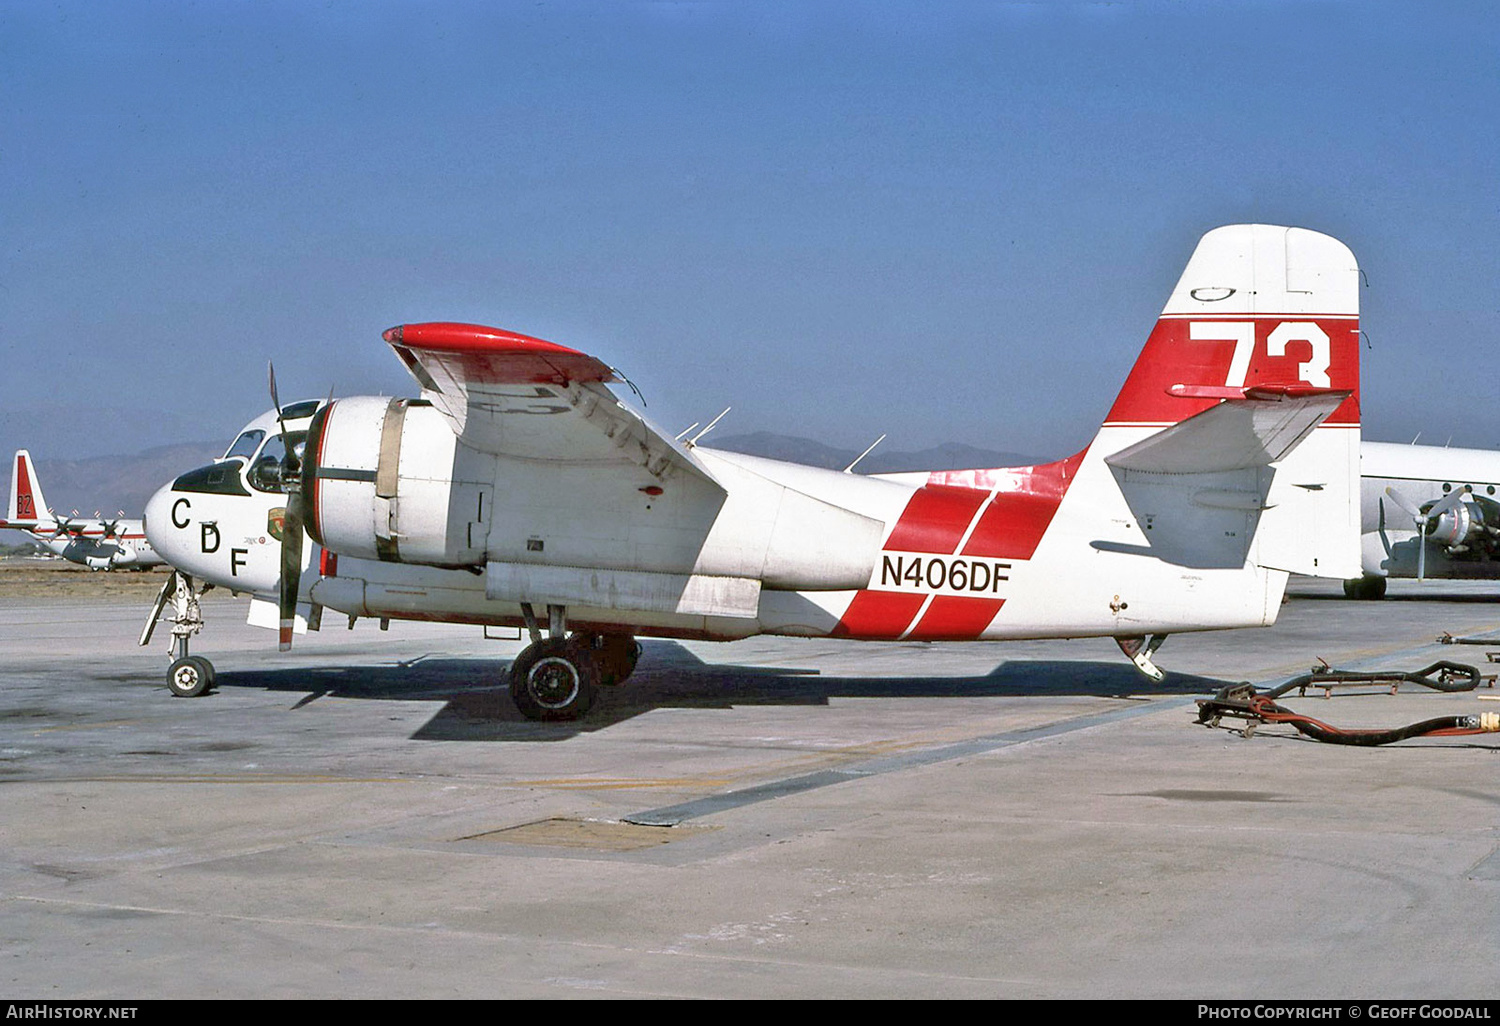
(190, 676)
(554, 679)
(617, 655)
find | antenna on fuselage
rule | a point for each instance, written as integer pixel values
(694, 440)
(850, 468)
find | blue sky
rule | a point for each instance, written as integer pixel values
(947, 222)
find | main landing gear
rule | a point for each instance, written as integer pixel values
(189, 676)
(557, 677)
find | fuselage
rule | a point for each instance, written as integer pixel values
(97, 544)
(955, 555)
(101, 546)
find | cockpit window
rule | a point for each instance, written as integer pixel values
(266, 472)
(244, 445)
(296, 411)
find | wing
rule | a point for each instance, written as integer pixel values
(513, 395)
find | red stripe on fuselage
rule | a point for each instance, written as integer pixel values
(878, 615)
(1013, 523)
(935, 519)
(954, 618)
(1003, 513)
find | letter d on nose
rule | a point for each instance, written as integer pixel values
(210, 540)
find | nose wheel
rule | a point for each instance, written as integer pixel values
(190, 676)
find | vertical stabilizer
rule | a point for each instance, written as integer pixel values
(1251, 378)
(26, 502)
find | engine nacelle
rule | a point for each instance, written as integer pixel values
(1457, 526)
(1470, 530)
(386, 479)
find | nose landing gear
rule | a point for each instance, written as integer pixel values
(188, 676)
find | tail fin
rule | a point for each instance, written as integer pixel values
(27, 504)
(1258, 305)
(1229, 459)
(1250, 377)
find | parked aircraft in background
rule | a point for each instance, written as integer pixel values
(1428, 513)
(96, 542)
(519, 490)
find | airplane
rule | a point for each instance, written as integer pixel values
(98, 543)
(518, 490)
(1427, 512)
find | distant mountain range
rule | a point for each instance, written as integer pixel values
(111, 483)
(949, 456)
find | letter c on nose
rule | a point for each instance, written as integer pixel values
(180, 503)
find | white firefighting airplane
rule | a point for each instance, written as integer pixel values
(519, 490)
(1428, 513)
(97, 543)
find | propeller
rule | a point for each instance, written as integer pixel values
(1424, 521)
(65, 525)
(291, 530)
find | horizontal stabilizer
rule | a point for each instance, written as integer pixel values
(1256, 429)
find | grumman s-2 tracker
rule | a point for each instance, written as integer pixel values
(519, 490)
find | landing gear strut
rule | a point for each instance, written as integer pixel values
(557, 677)
(189, 676)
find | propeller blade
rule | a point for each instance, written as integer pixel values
(1403, 505)
(291, 566)
(1422, 551)
(276, 401)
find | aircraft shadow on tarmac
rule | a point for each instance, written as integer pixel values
(477, 704)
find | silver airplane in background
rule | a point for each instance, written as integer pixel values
(1426, 512)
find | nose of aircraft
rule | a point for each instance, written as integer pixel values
(159, 530)
(208, 525)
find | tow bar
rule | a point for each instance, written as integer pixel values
(1244, 702)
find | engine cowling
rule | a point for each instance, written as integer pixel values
(386, 479)
(1471, 527)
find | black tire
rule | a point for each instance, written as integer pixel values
(554, 680)
(190, 676)
(617, 655)
(1368, 588)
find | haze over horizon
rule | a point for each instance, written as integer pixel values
(948, 223)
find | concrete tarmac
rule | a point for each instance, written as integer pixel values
(368, 816)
